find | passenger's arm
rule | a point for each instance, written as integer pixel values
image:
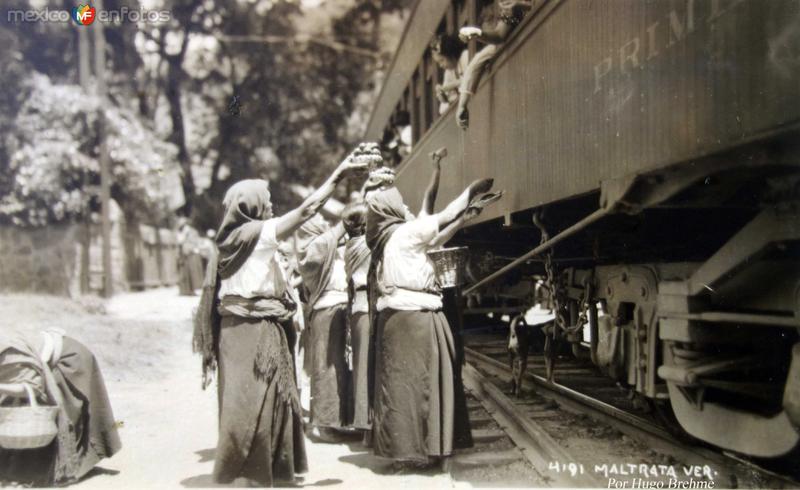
(471, 80)
(496, 34)
(291, 221)
(472, 74)
(446, 87)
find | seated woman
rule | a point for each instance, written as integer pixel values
(238, 329)
(499, 19)
(415, 372)
(450, 53)
(62, 372)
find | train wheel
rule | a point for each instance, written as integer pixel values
(666, 417)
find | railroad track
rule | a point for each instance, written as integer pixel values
(584, 431)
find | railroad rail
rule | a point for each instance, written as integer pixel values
(485, 377)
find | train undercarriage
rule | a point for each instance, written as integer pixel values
(688, 285)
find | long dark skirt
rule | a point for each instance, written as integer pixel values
(414, 386)
(329, 372)
(86, 402)
(359, 335)
(452, 307)
(260, 433)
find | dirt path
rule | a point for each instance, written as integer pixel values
(169, 423)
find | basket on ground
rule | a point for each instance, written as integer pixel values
(28, 427)
(449, 264)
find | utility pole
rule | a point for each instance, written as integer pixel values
(105, 174)
(84, 75)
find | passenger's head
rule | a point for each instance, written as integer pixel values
(446, 49)
(354, 218)
(403, 118)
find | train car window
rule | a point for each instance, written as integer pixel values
(429, 82)
(415, 107)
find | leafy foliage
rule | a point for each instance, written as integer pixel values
(53, 156)
(225, 90)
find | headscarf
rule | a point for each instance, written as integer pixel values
(247, 206)
(385, 212)
(315, 268)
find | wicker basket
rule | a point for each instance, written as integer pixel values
(27, 427)
(449, 264)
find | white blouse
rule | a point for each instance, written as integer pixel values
(260, 275)
(407, 271)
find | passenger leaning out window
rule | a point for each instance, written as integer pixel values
(498, 20)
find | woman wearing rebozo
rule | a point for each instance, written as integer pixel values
(71, 426)
(414, 392)
(238, 331)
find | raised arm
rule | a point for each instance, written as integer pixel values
(291, 221)
(473, 211)
(460, 204)
(447, 233)
(429, 201)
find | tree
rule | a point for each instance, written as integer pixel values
(257, 90)
(52, 162)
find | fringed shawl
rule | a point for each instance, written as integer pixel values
(272, 361)
(207, 322)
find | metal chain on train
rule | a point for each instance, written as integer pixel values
(555, 295)
(583, 306)
(557, 290)
(550, 280)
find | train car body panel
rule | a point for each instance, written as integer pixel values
(595, 90)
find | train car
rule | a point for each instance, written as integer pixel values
(649, 154)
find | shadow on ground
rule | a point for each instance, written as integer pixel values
(207, 481)
(206, 455)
